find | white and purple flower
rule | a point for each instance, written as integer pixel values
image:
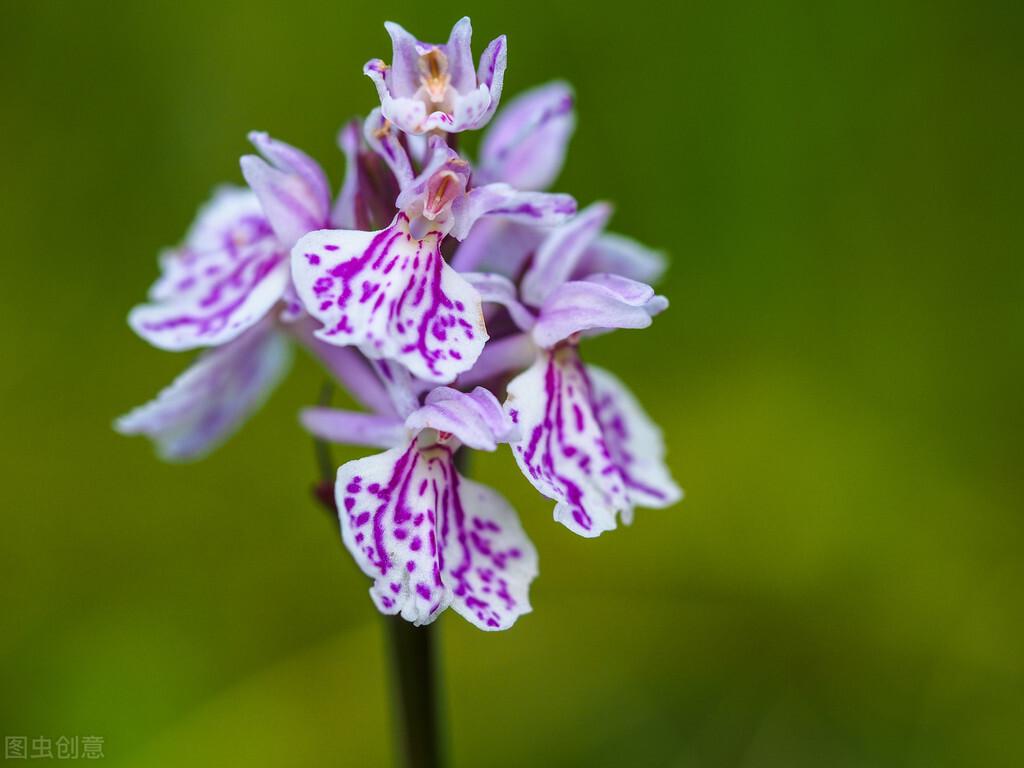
(426, 270)
(434, 87)
(586, 442)
(429, 537)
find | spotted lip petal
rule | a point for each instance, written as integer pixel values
(229, 274)
(213, 397)
(433, 87)
(563, 451)
(635, 443)
(587, 443)
(393, 295)
(525, 146)
(430, 538)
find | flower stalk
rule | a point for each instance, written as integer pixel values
(415, 693)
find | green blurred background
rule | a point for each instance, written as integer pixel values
(839, 378)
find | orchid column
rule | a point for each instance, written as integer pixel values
(452, 299)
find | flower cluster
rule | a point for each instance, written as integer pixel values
(430, 286)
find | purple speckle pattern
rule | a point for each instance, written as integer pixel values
(586, 443)
(635, 443)
(430, 538)
(222, 281)
(393, 295)
(211, 399)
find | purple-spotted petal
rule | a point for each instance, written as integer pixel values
(213, 397)
(489, 560)
(541, 209)
(557, 257)
(353, 428)
(229, 274)
(525, 146)
(429, 538)
(599, 302)
(621, 255)
(392, 295)
(563, 451)
(292, 189)
(232, 216)
(634, 442)
(475, 418)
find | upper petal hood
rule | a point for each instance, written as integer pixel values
(433, 87)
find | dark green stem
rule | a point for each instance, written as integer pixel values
(414, 682)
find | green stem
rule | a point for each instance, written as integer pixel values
(415, 684)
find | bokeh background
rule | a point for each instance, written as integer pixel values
(839, 378)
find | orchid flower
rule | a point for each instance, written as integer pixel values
(426, 271)
(233, 267)
(586, 442)
(390, 292)
(429, 537)
(434, 87)
(218, 290)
